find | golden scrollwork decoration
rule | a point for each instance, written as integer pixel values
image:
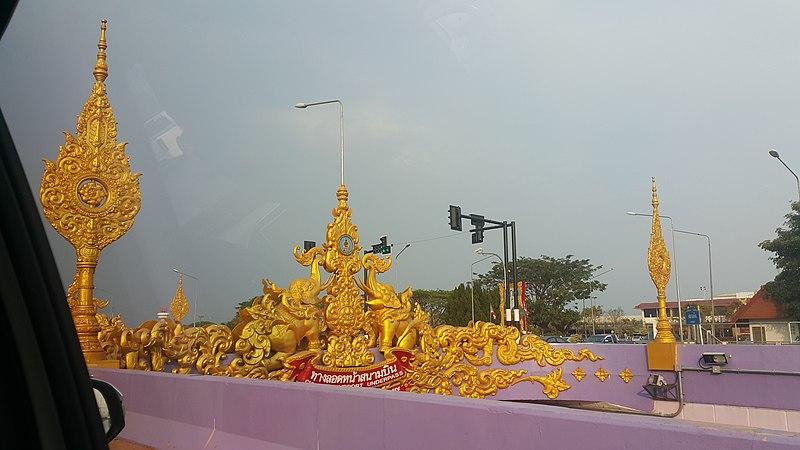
(90, 195)
(601, 374)
(579, 374)
(626, 375)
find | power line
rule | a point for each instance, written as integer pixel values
(436, 238)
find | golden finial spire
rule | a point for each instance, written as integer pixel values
(101, 68)
(659, 266)
(179, 306)
(90, 195)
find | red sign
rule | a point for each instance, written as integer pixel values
(387, 372)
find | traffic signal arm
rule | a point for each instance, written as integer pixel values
(490, 228)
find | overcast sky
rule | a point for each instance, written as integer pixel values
(554, 114)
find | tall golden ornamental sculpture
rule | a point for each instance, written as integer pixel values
(659, 265)
(179, 305)
(90, 196)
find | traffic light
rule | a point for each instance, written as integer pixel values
(455, 218)
(383, 247)
(477, 234)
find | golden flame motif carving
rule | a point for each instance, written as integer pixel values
(90, 196)
(659, 265)
(579, 373)
(626, 375)
(601, 374)
(179, 305)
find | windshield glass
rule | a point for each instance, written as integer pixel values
(512, 111)
(596, 338)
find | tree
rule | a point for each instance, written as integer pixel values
(239, 307)
(614, 316)
(553, 287)
(455, 307)
(785, 289)
(434, 302)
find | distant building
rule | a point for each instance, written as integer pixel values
(724, 307)
(762, 320)
(162, 315)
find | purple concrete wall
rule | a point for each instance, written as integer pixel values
(190, 412)
(616, 358)
(763, 391)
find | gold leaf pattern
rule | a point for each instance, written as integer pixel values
(579, 373)
(179, 305)
(601, 374)
(626, 375)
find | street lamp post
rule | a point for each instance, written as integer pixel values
(480, 251)
(674, 257)
(591, 301)
(341, 125)
(710, 278)
(196, 290)
(472, 283)
(775, 154)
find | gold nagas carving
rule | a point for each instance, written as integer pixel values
(179, 305)
(90, 196)
(626, 375)
(579, 373)
(601, 374)
(327, 331)
(658, 264)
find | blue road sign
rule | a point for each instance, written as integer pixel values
(692, 317)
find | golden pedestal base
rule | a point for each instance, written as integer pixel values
(103, 364)
(662, 356)
(95, 359)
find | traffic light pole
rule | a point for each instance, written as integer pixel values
(514, 266)
(477, 237)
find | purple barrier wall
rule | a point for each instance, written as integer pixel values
(616, 358)
(191, 412)
(755, 390)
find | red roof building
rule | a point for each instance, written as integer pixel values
(763, 320)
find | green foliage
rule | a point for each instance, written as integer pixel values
(785, 289)
(553, 287)
(239, 307)
(455, 307)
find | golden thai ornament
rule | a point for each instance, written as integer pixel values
(179, 305)
(579, 373)
(626, 375)
(601, 374)
(658, 263)
(90, 196)
(348, 339)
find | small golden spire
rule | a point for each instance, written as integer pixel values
(659, 266)
(101, 68)
(179, 306)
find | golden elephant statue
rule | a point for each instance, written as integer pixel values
(390, 314)
(277, 324)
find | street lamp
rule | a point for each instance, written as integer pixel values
(675, 257)
(710, 278)
(480, 251)
(591, 302)
(472, 283)
(775, 154)
(196, 289)
(341, 125)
